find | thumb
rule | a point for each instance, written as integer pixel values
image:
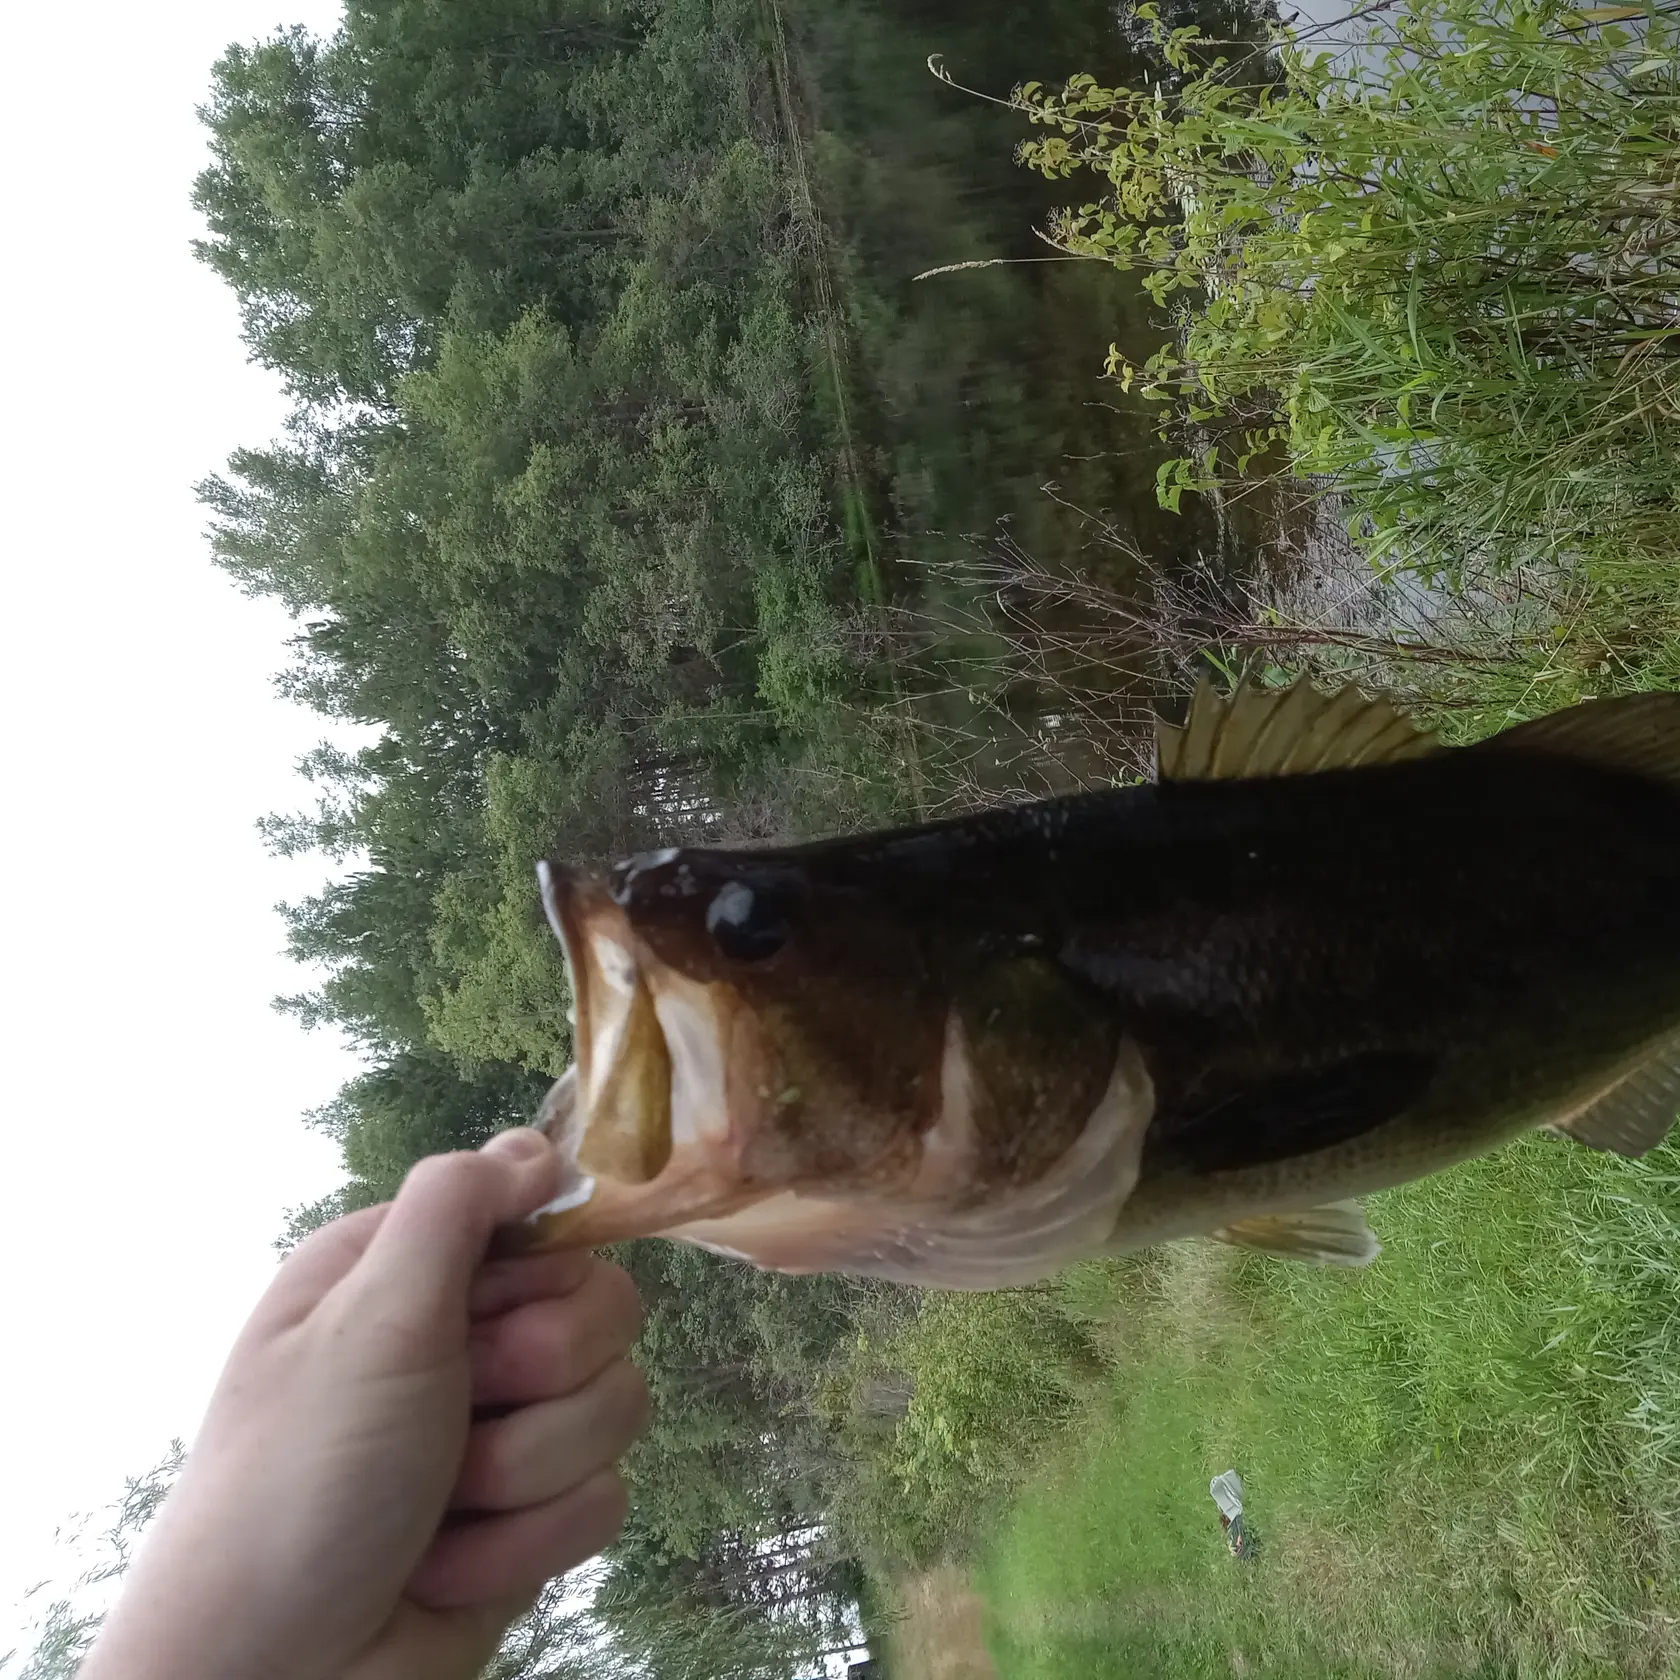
(435, 1233)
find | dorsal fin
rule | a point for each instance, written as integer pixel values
(1336, 1235)
(1636, 1113)
(1283, 732)
(1635, 732)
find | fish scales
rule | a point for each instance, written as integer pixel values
(1219, 1004)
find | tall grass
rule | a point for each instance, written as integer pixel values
(1437, 273)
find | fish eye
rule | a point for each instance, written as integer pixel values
(746, 926)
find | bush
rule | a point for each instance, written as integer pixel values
(980, 1382)
(1438, 278)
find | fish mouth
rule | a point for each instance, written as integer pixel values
(645, 1137)
(674, 1121)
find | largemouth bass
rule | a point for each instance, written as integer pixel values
(1320, 955)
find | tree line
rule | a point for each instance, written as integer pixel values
(552, 514)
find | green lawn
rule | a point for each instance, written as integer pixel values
(1465, 1460)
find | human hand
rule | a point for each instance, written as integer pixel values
(406, 1442)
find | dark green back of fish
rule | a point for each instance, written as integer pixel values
(1436, 943)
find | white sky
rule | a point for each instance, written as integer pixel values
(152, 1097)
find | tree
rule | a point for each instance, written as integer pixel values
(552, 515)
(428, 158)
(65, 1630)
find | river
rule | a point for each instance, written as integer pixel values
(983, 448)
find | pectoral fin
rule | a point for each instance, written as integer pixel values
(1336, 1235)
(1288, 1116)
(1634, 1115)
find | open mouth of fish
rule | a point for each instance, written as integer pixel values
(648, 1133)
(673, 1122)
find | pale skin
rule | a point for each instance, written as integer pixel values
(406, 1443)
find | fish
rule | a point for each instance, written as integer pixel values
(1318, 955)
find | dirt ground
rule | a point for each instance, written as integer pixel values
(939, 1637)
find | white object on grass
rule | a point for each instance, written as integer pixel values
(1226, 1489)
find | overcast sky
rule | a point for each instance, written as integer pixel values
(152, 1098)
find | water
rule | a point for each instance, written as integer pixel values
(978, 435)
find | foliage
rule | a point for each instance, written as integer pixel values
(1438, 275)
(553, 517)
(64, 1631)
(551, 513)
(994, 1377)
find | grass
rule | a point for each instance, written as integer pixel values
(1462, 1461)
(1437, 302)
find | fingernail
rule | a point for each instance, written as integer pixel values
(519, 1143)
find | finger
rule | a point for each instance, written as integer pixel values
(489, 1559)
(550, 1348)
(502, 1285)
(315, 1265)
(422, 1259)
(537, 1452)
(423, 1644)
